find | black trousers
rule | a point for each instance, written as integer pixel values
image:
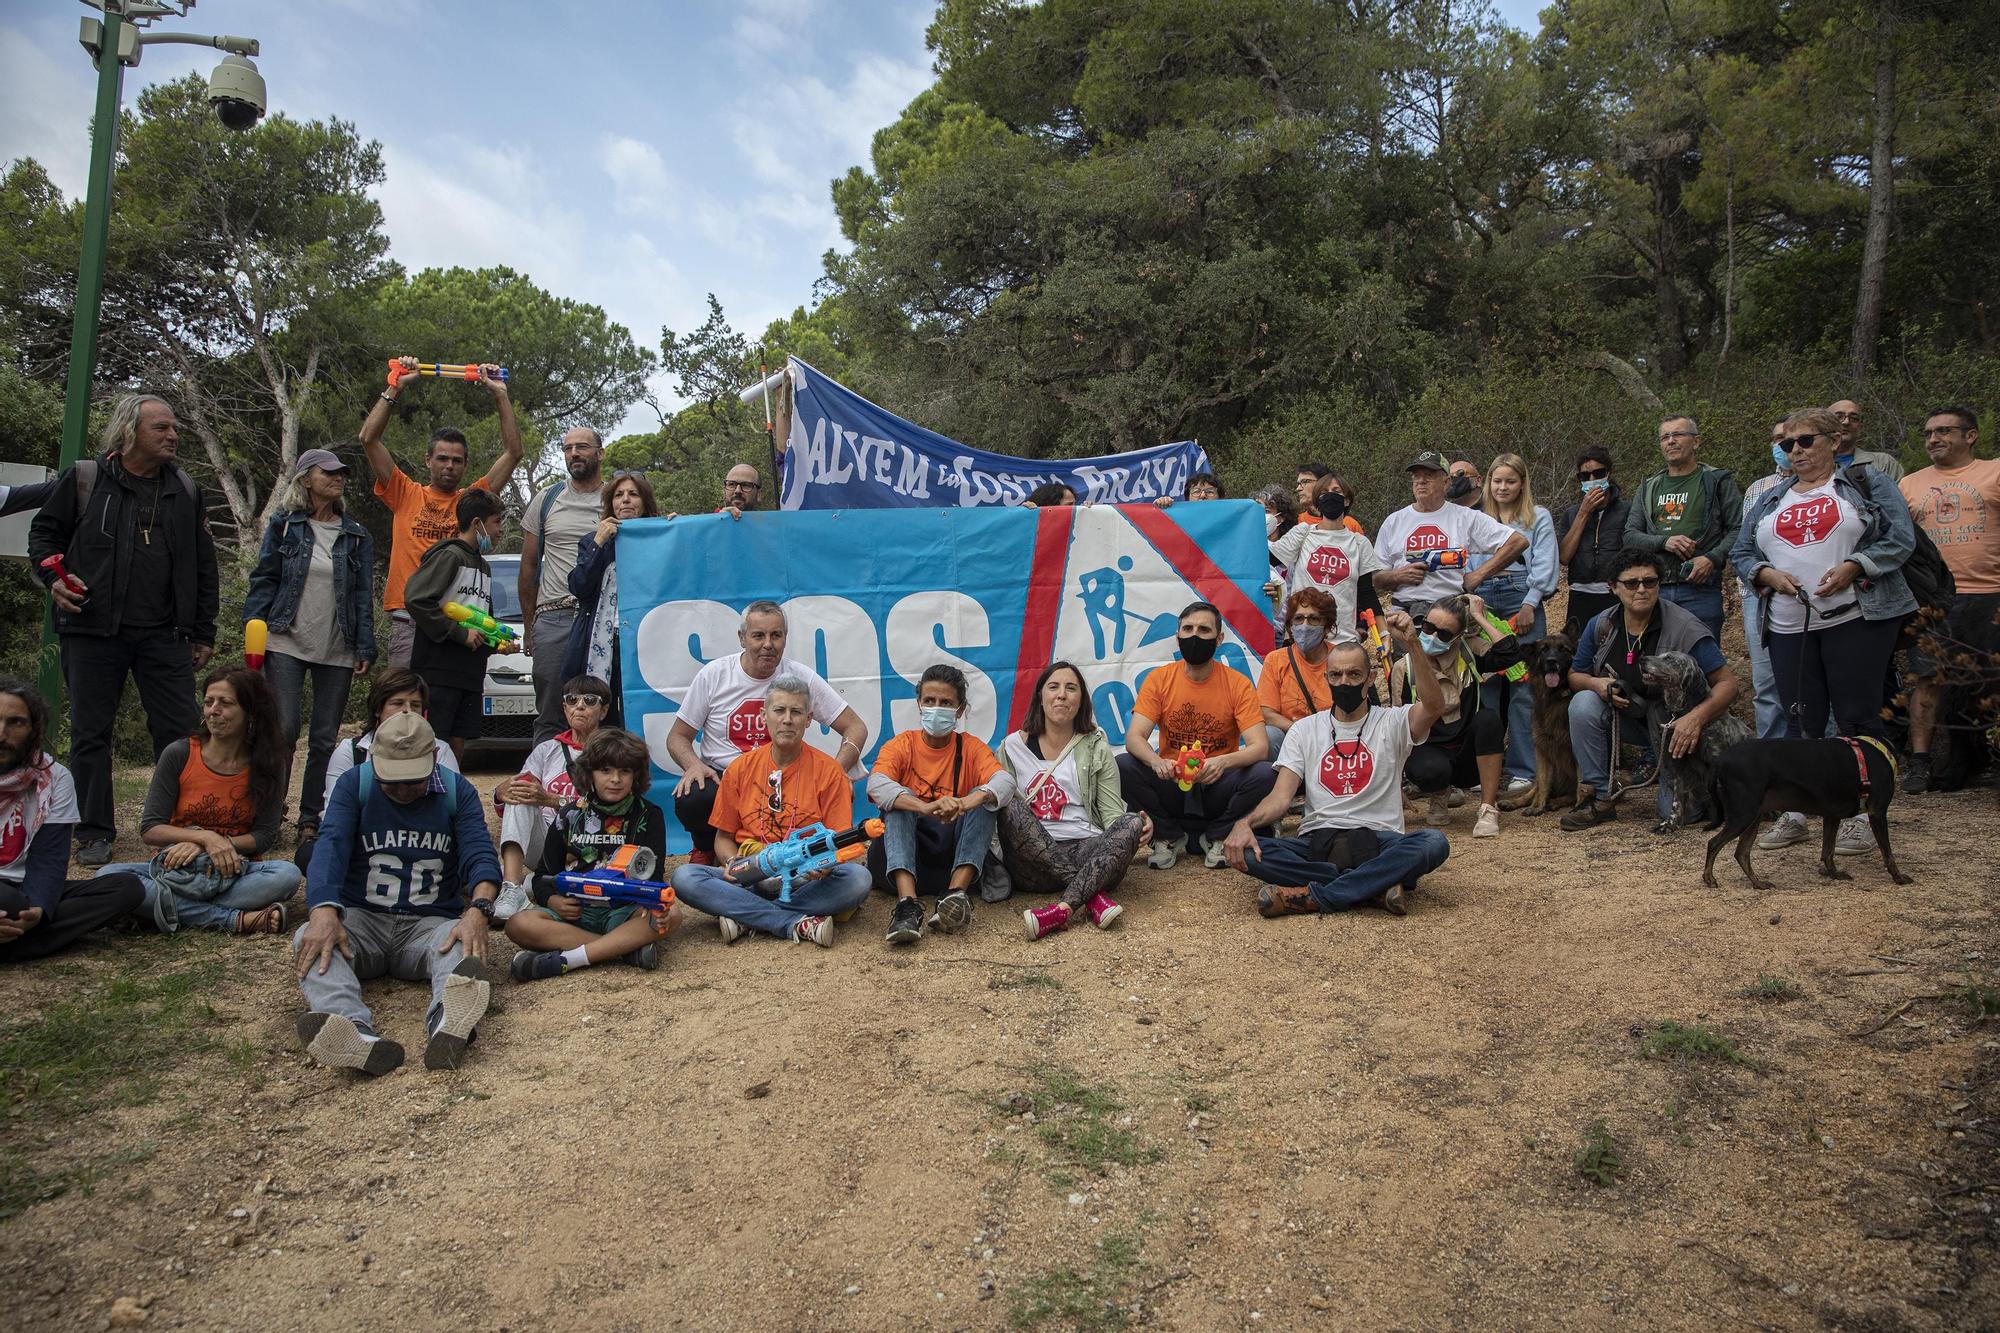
(1584, 605)
(1435, 765)
(1209, 811)
(85, 905)
(693, 810)
(94, 670)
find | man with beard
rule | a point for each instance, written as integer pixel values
(41, 911)
(559, 517)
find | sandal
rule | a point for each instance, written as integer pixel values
(270, 920)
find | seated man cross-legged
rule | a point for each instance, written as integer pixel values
(777, 788)
(1201, 708)
(1350, 848)
(402, 883)
(938, 789)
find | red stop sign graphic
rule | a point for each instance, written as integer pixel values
(1429, 537)
(1346, 768)
(1809, 523)
(1048, 800)
(1327, 565)
(746, 725)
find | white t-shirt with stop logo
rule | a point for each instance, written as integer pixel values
(725, 704)
(1453, 532)
(1806, 535)
(1352, 771)
(1057, 800)
(1332, 559)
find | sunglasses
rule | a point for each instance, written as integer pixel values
(775, 802)
(1440, 633)
(1593, 474)
(574, 700)
(1639, 585)
(1790, 442)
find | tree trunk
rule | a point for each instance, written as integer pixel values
(1630, 380)
(1881, 206)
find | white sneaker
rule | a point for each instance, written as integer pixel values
(1517, 786)
(1439, 814)
(1166, 853)
(1488, 823)
(814, 930)
(1855, 838)
(1212, 855)
(513, 898)
(732, 931)
(1790, 828)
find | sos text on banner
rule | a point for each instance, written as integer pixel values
(844, 452)
(871, 598)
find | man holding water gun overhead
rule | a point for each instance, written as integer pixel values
(766, 795)
(451, 651)
(1198, 705)
(421, 516)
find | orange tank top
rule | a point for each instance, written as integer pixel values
(218, 802)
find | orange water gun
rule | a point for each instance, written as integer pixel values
(1187, 763)
(425, 369)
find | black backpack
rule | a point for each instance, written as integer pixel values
(1925, 571)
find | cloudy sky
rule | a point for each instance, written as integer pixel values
(635, 156)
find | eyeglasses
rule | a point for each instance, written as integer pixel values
(577, 700)
(1307, 620)
(1640, 585)
(1790, 442)
(1847, 416)
(742, 485)
(1592, 474)
(1942, 430)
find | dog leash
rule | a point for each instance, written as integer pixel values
(1861, 760)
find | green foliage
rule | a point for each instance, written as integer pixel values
(1073, 1119)
(1090, 1299)
(1675, 1041)
(1981, 997)
(1775, 989)
(1599, 1160)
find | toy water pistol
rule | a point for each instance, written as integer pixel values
(426, 369)
(1500, 629)
(58, 574)
(626, 877)
(1187, 765)
(1378, 646)
(1432, 561)
(499, 637)
(256, 635)
(807, 851)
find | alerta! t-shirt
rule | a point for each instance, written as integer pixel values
(419, 518)
(1352, 771)
(926, 770)
(725, 704)
(1960, 509)
(1678, 506)
(1215, 712)
(809, 790)
(1453, 532)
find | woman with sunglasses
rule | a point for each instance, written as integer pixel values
(593, 644)
(529, 800)
(1593, 533)
(1826, 555)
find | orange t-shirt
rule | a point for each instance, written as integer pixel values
(1960, 509)
(926, 769)
(218, 802)
(811, 790)
(1278, 687)
(1216, 712)
(419, 518)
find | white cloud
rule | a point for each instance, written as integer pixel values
(640, 181)
(45, 109)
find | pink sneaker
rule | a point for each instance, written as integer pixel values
(1040, 921)
(1103, 911)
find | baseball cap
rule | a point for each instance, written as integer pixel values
(326, 460)
(1429, 459)
(405, 748)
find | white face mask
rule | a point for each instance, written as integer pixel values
(1270, 524)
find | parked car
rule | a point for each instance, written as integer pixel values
(510, 680)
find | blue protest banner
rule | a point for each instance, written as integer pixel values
(844, 452)
(873, 597)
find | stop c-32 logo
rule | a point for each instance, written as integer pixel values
(1327, 565)
(746, 725)
(1429, 537)
(1809, 523)
(1346, 768)
(1048, 800)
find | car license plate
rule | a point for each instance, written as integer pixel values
(509, 704)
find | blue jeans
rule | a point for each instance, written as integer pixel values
(707, 889)
(1590, 741)
(1702, 600)
(1402, 858)
(969, 838)
(1518, 698)
(261, 884)
(331, 684)
(1763, 683)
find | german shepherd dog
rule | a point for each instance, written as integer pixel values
(1822, 777)
(1555, 762)
(1680, 686)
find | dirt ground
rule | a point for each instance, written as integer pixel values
(1199, 1119)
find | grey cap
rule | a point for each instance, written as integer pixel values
(326, 460)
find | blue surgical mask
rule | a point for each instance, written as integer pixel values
(1431, 644)
(1308, 637)
(1595, 484)
(938, 721)
(485, 542)
(1780, 459)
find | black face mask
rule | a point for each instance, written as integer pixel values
(1347, 698)
(1194, 651)
(1332, 506)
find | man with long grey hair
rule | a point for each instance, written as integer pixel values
(136, 596)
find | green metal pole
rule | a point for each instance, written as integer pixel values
(89, 290)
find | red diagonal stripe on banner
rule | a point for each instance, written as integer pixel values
(1045, 590)
(1189, 561)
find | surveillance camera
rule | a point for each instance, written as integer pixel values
(236, 91)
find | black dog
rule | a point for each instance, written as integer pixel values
(1821, 778)
(1680, 686)
(1555, 762)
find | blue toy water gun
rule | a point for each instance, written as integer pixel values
(624, 878)
(805, 852)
